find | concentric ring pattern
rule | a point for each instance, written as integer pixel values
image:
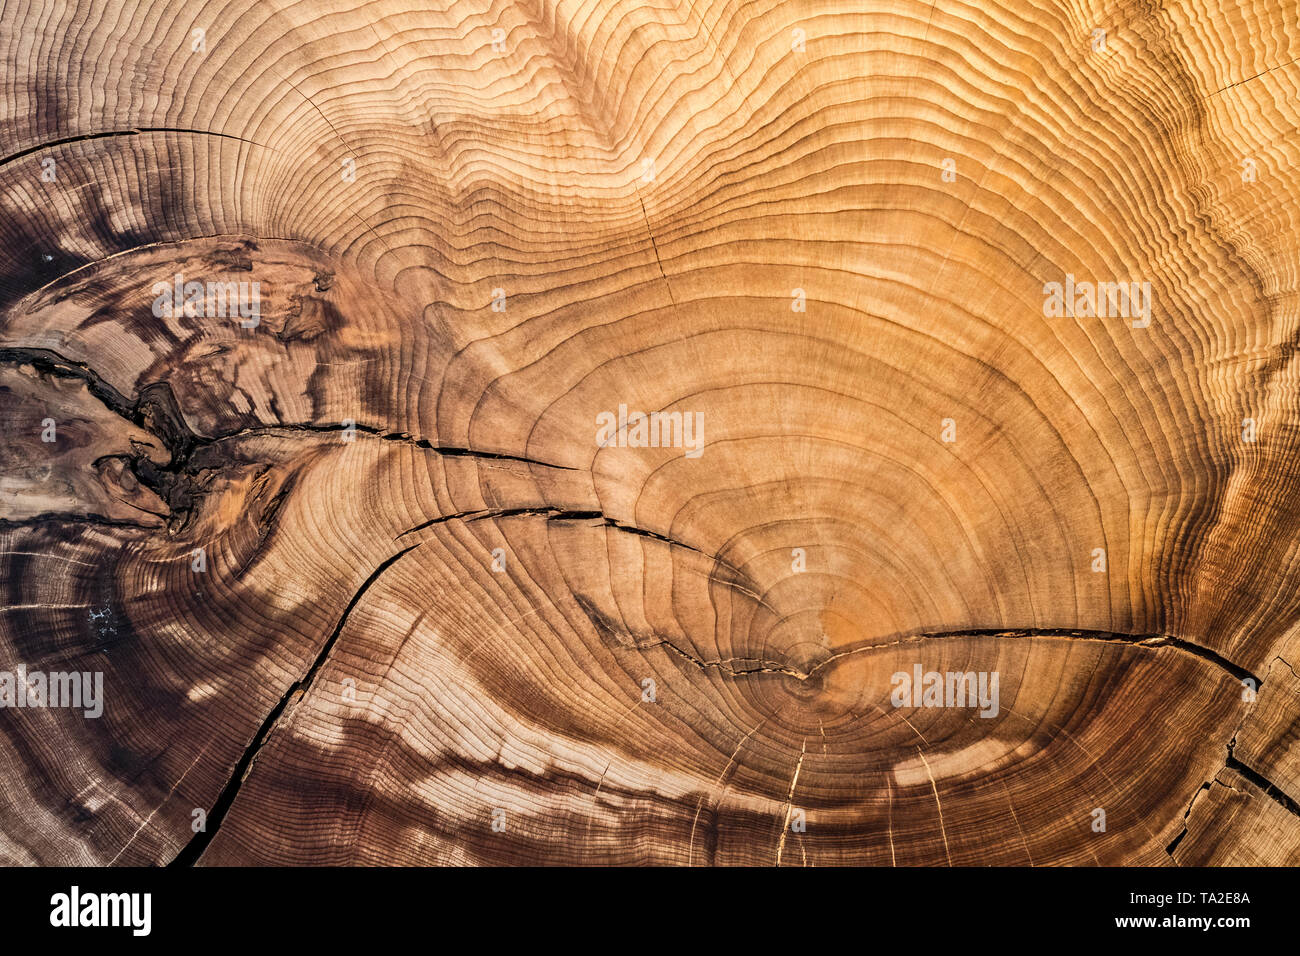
(586, 431)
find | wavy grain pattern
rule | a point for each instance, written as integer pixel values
(371, 579)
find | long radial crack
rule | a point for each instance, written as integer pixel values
(156, 411)
(1082, 634)
(789, 801)
(157, 407)
(451, 451)
(199, 843)
(1107, 637)
(562, 514)
(1173, 844)
(113, 134)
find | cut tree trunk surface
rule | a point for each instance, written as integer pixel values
(708, 432)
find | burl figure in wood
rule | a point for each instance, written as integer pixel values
(699, 432)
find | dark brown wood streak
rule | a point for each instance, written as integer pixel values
(592, 418)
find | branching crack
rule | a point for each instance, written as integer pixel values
(1231, 762)
(760, 666)
(1268, 786)
(156, 411)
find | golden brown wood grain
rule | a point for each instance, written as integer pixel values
(431, 602)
